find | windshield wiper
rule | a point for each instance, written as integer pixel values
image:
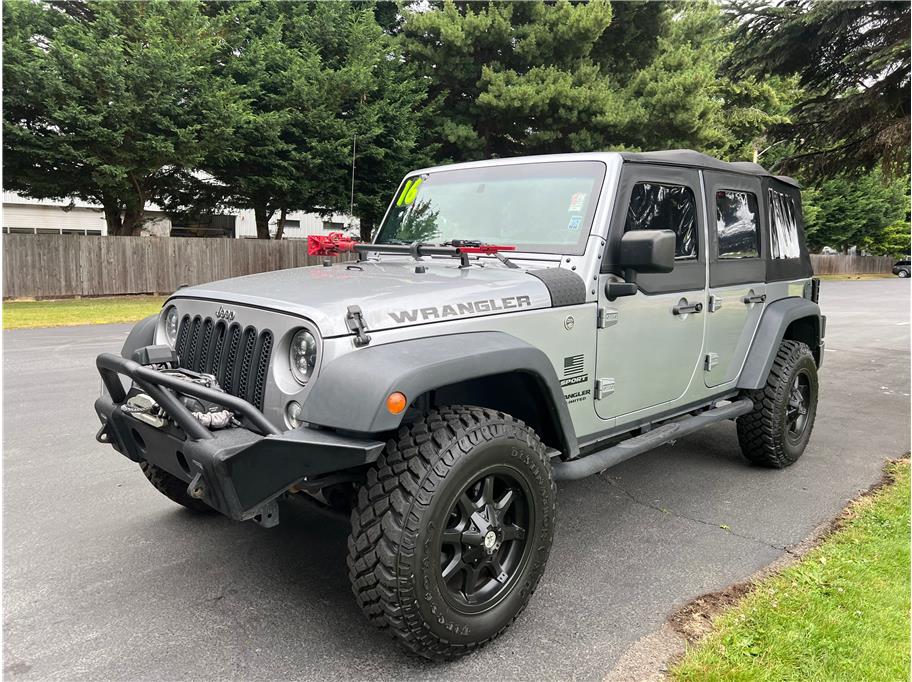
(506, 261)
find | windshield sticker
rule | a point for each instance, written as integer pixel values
(409, 192)
(405, 189)
(576, 202)
(575, 222)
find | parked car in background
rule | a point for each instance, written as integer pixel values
(902, 268)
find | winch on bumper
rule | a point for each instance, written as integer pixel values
(238, 471)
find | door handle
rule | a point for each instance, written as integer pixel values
(758, 298)
(684, 308)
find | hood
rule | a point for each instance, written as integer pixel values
(390, 292)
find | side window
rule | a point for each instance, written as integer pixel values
(665, 207)
(737, 224)
(783, 226)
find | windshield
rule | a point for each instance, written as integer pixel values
(542, 207)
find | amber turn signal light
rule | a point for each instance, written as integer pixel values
(396, 402)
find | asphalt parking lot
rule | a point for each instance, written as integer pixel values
(106, 579)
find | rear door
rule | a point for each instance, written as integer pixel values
(647, 354)
(737, 288)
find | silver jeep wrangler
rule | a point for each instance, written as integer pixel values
(515, 322)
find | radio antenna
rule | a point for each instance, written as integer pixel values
(351, 208)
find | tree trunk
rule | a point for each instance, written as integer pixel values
(124, 217)
(262, 215)
(280, 227)
(367, 229)
(133, 219)
(112, 216)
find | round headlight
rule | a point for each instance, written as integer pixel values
(303, 355)
(171, 323)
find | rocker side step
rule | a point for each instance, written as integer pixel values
(603, 459)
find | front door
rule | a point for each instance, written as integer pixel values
(649, 344)
(737, 290)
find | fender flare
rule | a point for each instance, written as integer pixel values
(142, 334)
(775, 321)
(350, 392)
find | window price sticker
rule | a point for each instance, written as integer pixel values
(576, 202)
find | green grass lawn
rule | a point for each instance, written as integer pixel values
(841, 613)
(68, 312)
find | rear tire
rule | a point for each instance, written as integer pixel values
(173, 488)
(777, 431)
(452, 530)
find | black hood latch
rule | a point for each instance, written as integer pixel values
(354, 320)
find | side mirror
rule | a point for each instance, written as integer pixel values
(648, 251)
(642, 251)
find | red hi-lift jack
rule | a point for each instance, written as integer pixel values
(330, 244)
(334, 243)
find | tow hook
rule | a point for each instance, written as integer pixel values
(102, 435)
(196, 489)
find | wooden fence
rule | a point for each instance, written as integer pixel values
(60, 266)
(851, 265)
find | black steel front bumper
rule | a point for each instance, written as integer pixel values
(237, 471)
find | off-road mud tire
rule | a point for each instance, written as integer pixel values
(764, 433)
(391, 556)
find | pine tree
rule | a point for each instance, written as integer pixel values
(863, 211)
(101, 98)
(852, 62)
(513, 78)
(318, 81)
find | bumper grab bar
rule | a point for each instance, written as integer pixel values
(157, 385)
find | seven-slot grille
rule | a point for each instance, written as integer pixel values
(237, 356)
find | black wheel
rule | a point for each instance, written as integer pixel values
(903, 274)
(777, 431)
(173, 488)
(452, 530)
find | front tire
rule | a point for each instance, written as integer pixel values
(902, 274)
(173, 488)
(452, 530)
(777, 431)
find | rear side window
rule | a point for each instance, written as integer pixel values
(737, 224)
(665, 207)
(783, 226)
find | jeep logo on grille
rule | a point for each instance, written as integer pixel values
(225, 314)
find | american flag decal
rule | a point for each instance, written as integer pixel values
(573, 365)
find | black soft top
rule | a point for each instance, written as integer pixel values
(688, 157)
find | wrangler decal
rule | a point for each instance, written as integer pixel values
(488, 305)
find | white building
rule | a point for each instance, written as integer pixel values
(36, 216)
